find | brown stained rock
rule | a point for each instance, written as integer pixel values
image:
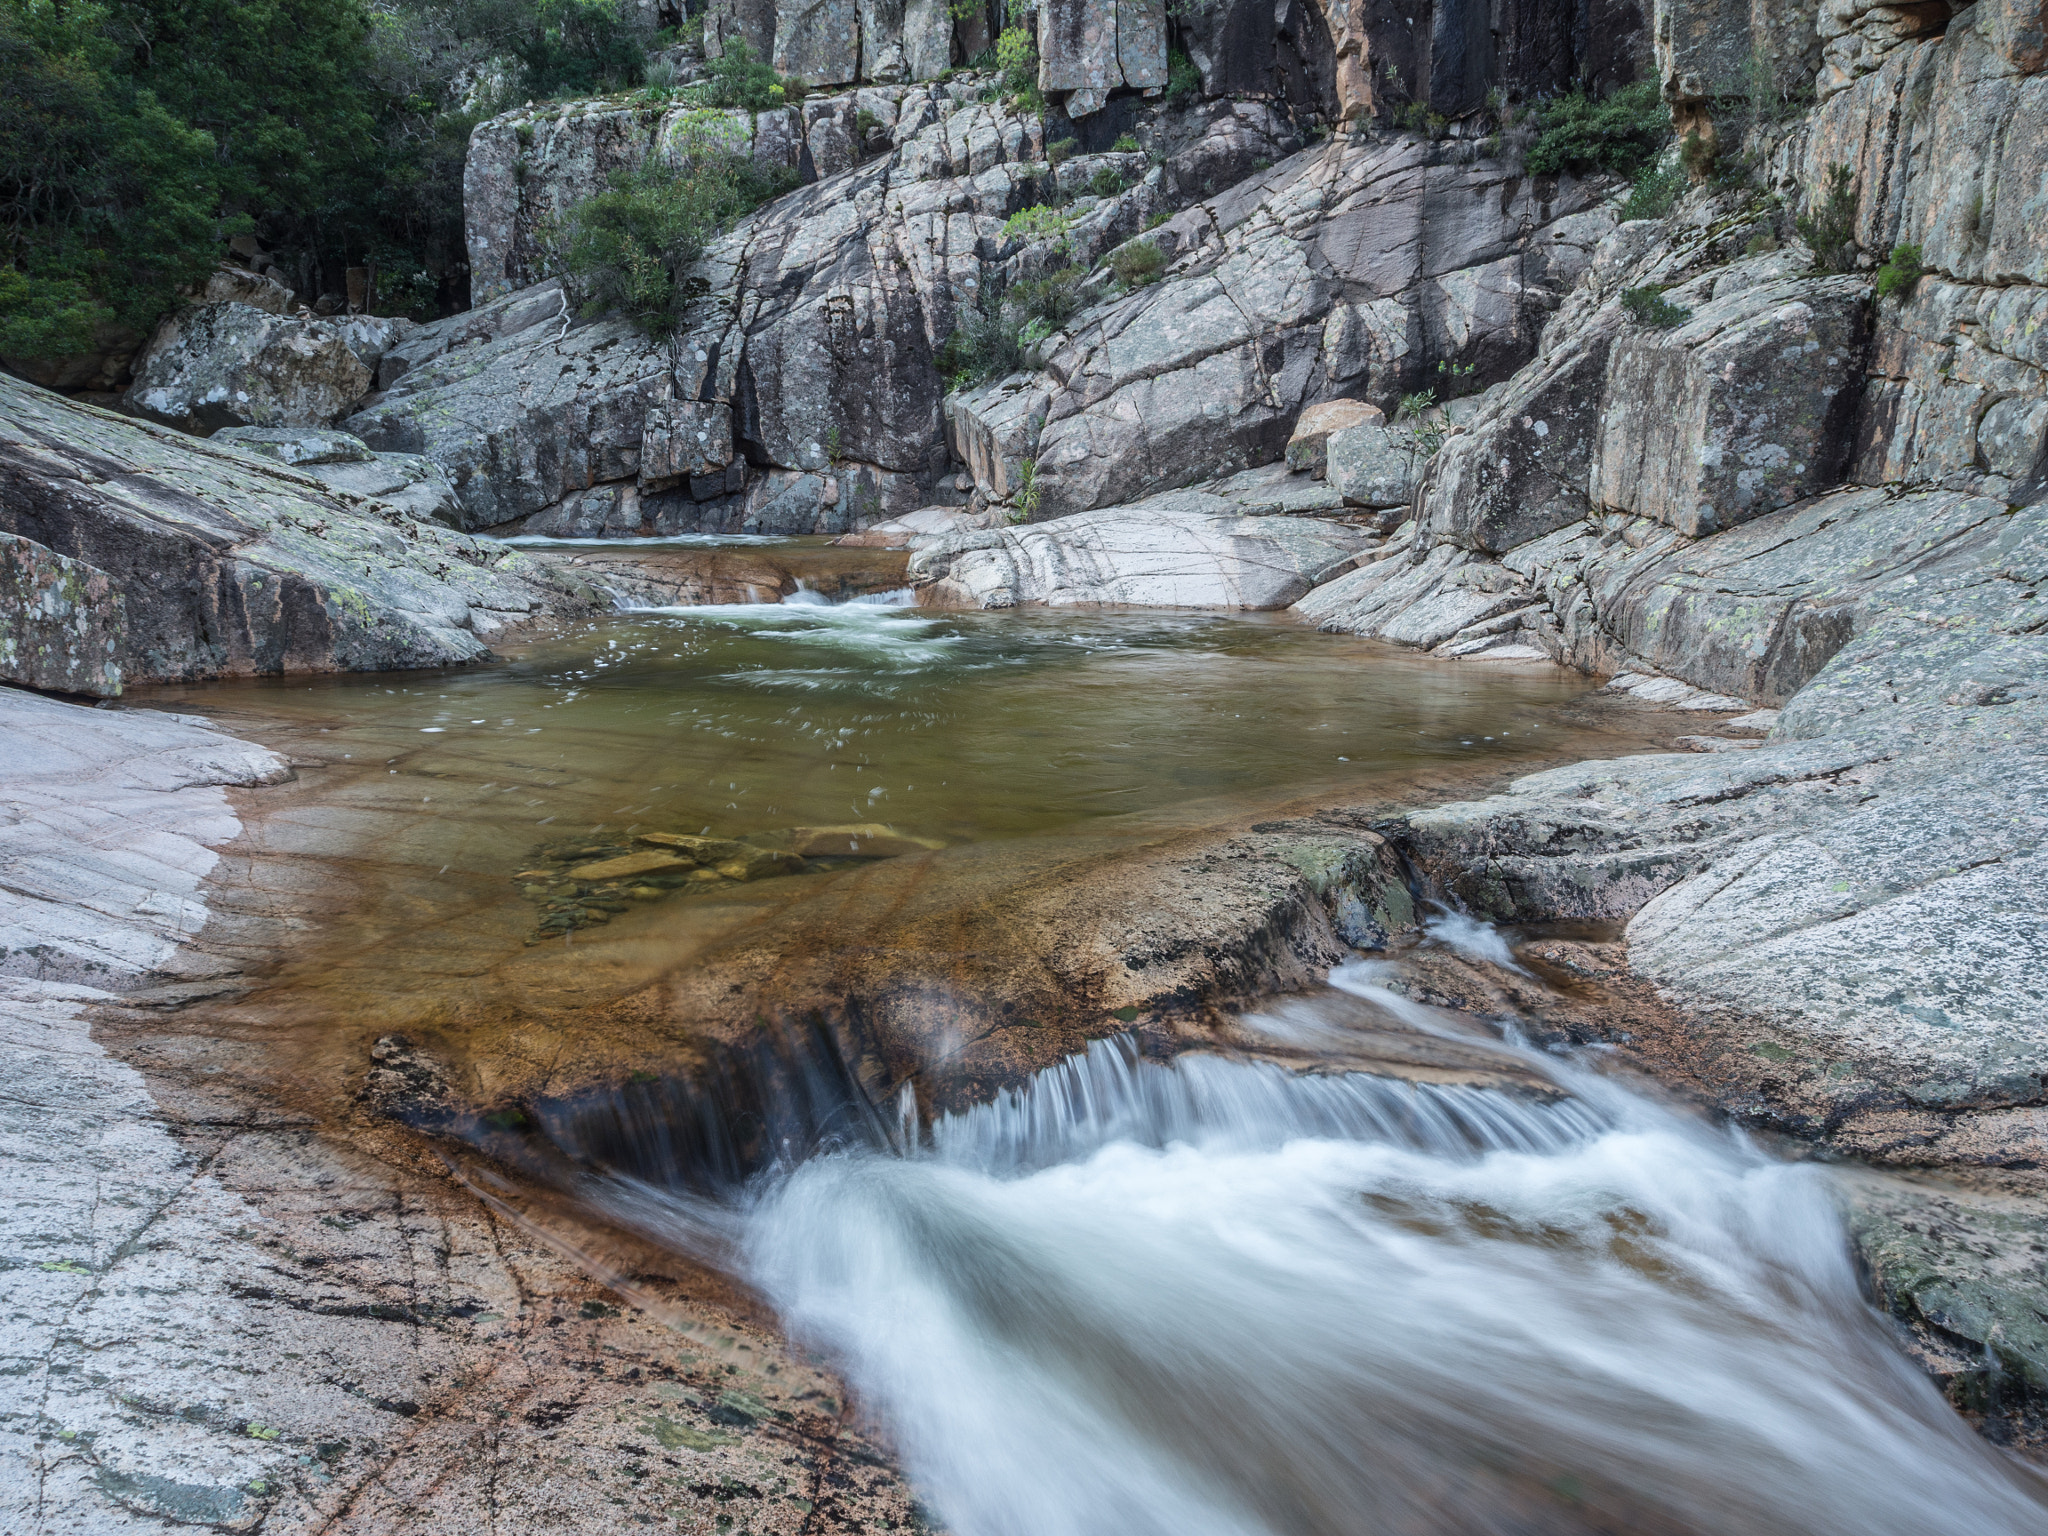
(1312, 429)
(632, 864)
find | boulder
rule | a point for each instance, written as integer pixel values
(1088, 48)
(233, 285)
(62, 626)
(231, 365)
(1374, 465)
(1306, 448)
(1742, 409)
(229, 565)
(1182, 550)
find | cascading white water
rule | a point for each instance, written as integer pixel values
(1217, 1298)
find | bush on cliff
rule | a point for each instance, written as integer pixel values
(629, 249)
(1620, 135)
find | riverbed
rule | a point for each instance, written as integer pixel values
(1244, 1288)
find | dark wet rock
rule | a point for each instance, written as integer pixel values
(1966, 1274)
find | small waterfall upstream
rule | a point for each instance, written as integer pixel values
(1218, 1297)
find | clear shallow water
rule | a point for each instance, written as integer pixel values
(749, 717)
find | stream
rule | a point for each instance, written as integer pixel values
(1231, 1292)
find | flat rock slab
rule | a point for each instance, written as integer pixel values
(1182, 550)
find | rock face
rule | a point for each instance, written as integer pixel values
(1348, 270)
(231, 364)
(229, 565)
(1182, 550)
(1742, 409)
(61, 622)
(803, 395)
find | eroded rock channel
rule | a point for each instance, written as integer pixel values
(1260, 771)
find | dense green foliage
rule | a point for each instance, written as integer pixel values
(1620, 134)
(1656, 188)
(138, 136)
(1901, 272)
(1017, 58)
(629, 249)
(985, 344)
(737, 79)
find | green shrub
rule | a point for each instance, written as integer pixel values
(1051, 300)
(1701, 158)
(736, 79)
(1656, 188)
(984, 345)
(1183, 80)
(1126, 144)
(1620, 135)
(1900, 272)
(1027, 492)
(1017, 58)
(1107, 181)
(1648, 306)
(1060, 151)
(1137, 264)
(1829, 225)
(1037, 223)
(629, 248)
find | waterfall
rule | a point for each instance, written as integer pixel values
(1215, 1297)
